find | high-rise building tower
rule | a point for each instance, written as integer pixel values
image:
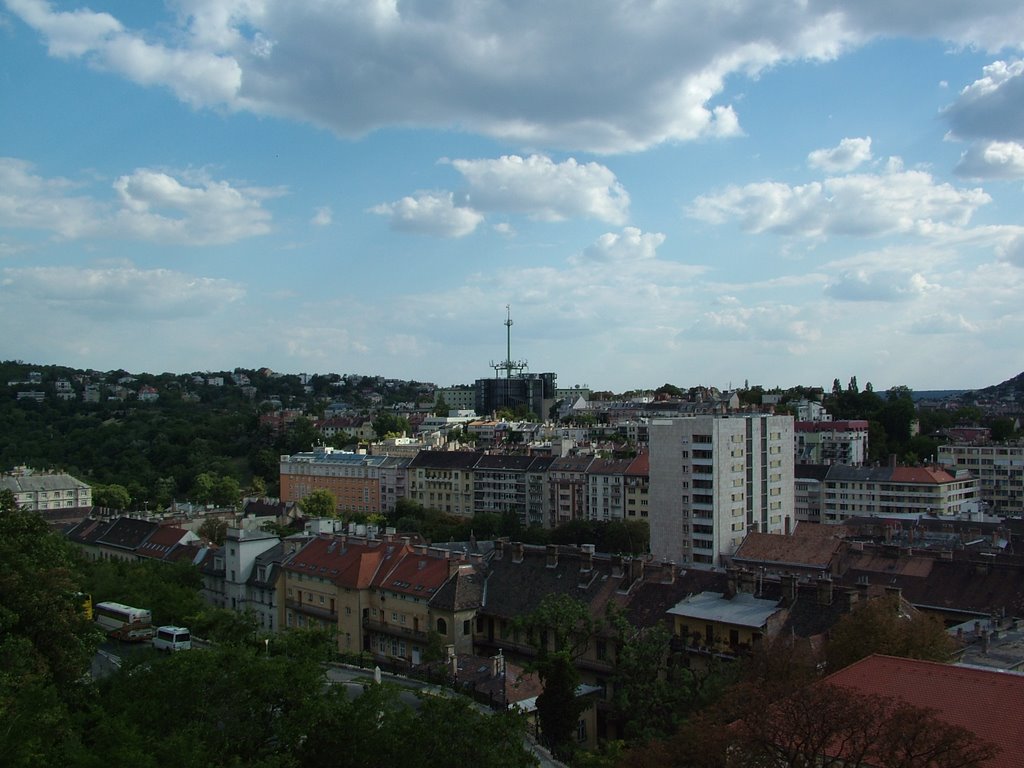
(512, 387)
(713, 478)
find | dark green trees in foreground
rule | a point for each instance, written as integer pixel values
(239, 704)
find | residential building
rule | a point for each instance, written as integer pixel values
(999, 469)
(638, 485)
(831, 442)
(808, 491)
(713, 479)
(606, 489)
(53, 494)
(240, 551)
(567, 489)
(352, 478)
(443, 480)
(878, 491)
(456, 398)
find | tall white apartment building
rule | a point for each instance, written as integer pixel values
(713, 478)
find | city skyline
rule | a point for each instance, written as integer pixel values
(702, 194)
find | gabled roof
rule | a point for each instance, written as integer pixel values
(641, 465)
(127, 533)
(921, 475)
(987, 703)
(808, 551)
(88, 531)
(516, 587)
(462, 591)
(571, 464)
(162, 542)
(412, 572)
(510, 462)
(345, 562)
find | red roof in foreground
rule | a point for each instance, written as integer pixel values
(986, 702)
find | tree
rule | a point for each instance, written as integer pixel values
(112, 496)
(214, 530)
(385, 424)
(561, 628)
(46, 642)
(319, 503)
(441, 407)
(883, 626)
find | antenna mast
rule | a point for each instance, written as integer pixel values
(508, 365)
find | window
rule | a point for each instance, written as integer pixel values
(466, 629)
(442, 627)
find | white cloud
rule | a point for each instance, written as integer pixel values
(1013, 251)
(878, 285)
(992, 160)
(627, 248)
(860, 204)
(545, 190)
(991, 107)
(941, 323)
(517, 71)
(430, 213)
(151, 205)
(321, 217)
(113, 293)
(841, 159)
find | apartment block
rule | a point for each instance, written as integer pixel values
(352, 478)
(713, 478)
(832, 442)
(999, 470)
(879, 491)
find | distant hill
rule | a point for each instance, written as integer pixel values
(1014, 386)
(938, 394)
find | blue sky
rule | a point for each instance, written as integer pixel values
(692, 192)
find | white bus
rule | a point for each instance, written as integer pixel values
(124, 622)
(172, 639)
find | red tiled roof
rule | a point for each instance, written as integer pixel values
(984, 702)
(921, 475)
(808, 550)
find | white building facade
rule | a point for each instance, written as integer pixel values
(713, 478)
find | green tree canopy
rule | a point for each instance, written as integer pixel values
(319, 503)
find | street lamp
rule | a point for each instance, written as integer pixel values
(266, 644)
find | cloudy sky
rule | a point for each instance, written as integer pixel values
(698, 192)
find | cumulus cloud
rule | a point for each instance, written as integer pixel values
(780, 324)
(992, 107)
(841, 159)
(1013, 251)
(430, 213)
(544, 189)
(150, 205)
(513, 70)
(321, 217)
(877, 285)
(864, 205)
(112, 293)
(629, 246)
(942, 322)
(992, 160)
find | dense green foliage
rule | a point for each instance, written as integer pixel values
(239, 703)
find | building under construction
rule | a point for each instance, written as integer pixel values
(512, 387)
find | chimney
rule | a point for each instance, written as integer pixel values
(518, 551)
(894, 591)
(731, 582)
(747, 581)
(552, 555)
(789, 588)
(636, 570)
(850, 597)
(825, 590)
(617, 566)
(670, 571)
(586, 558)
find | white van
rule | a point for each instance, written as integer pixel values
(172, 639)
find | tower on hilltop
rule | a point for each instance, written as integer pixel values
(508, 365)
(517, 391)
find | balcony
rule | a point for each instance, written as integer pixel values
(310, 609)
(399, 630)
